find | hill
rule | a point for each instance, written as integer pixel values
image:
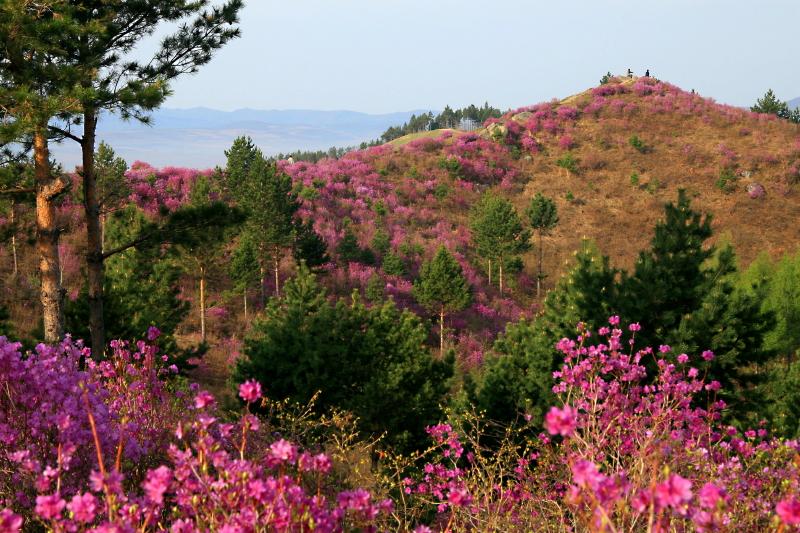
(610, 157)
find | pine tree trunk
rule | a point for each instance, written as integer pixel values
(245, 304)
(262, 281)
(441, 331)
(276, 262)
(539, 275)
(202, 304)
(94, 237)
(490, 272)
(47, 188)
(14, 237)
(500, 275)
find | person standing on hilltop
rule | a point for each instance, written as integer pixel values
(630, 73)
(647, 73)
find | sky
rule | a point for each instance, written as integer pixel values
(379, 56)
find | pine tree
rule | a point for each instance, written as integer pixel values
(497, 232)
(112, 187)
(370, 361)
(442, 288)
(732, 325)
(669, 280)
(109, 80)
(771, 105)
(241, 156)
(309, 247)
(271, 205)
(393, 265)
(244, 266)
(518, 374)
(37, 85)
(543, 217)
(202, 248)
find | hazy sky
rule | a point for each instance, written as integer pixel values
(391, 55)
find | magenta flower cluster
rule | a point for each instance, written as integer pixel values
(113, 448)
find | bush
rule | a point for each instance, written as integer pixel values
(727, 180)
(569, 162)
(639, 144)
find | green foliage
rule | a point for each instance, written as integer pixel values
(782, 399)
(669, 279)
(380, 242)
(441, 286)
(241, 157)
(731, 324)
(370, 361)
(142, 287)
(441, 191)
(542, 213)
(380, 208)
(681, 292)
(569, 162)
(451, 165)
(518, 375)
(243, 266)
(349, 250)
(112, 187)
(271, 204)
(638, 144)
(727, 180)
(635, 179)
(772, 105)
(497, 231)
(448, 118)
(309, 247)
(308, 193)
(606, 78)
(393, 265)
(5, 327)
(374, 291)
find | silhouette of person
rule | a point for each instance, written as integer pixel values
(630, 73)
(647, 73)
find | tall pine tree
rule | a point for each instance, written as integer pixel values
(497, 232)
(442, 288)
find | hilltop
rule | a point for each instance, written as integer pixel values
(609, 156)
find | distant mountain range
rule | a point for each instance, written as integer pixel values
(794, 103)
(198, 137)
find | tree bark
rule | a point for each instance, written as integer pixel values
(262, 280)
(94, 237)
(245, 304)
(14, 237)
(441, 331)
(202, 304)
(500, 274)
(47, 188)
(276, 263)
(490, 272)
(539, 274)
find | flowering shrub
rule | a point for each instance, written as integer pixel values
(167, 188)
(111, 448)
(626, 451)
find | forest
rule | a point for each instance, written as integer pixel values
(579, 317)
